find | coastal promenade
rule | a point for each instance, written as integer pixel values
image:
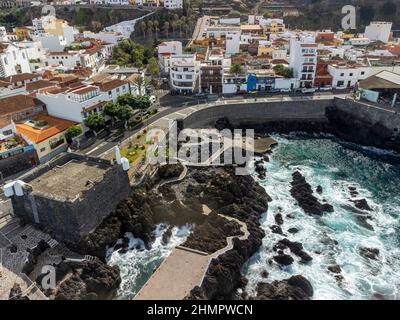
(183, 269)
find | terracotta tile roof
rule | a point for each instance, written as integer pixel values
(17, 104)
(4, 122)
(95, 106)
(21, 77)
(3, 47)
(40, 84)
(110, 85)
(279, 61)
(63, 53)
(4, 84)
(36, 135)
(249, 27)
(83, 90)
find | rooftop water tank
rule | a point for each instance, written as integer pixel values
(18, 187)
(125, 164)
(8, 189)
(117, 154)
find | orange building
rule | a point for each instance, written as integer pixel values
(46, 133)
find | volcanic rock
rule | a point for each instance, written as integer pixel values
(276, 229)
(278, 218)
(370, 253)
(335, 268)
(362, 204)
(294, 288)
(302, 192)
(283, 259)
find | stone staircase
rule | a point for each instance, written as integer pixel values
(52, 242)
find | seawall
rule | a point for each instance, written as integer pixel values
(354, 121)
(256, 113)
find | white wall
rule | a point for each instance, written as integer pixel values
(13, 60)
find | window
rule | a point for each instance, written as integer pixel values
(351, 74)
(117, 90)
(340, 83)
(342, 74)
(362, 73)
(5, 61)
(7, 132)
(43, 149)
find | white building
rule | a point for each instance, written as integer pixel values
(173, 4)
(232, 43)
(378, 31)
(114, 88)
(13, 60)
(52, 42)
(78, 103)
(303, 59)
(93, 58)
(184, 73)
(360, 41)
(74, 104)
(279, 54)
(346, 75)
(167, 49)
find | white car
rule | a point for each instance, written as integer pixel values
(325, 89)
(286, 90)
(307, 90)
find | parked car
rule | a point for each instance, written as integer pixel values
(308, 90)
(325, 89)
(200, 94)
(285, 90)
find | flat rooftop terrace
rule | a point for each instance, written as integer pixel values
(68, 181)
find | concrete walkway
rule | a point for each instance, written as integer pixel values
(182, 270)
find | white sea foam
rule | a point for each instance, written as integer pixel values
(363, 278)
(138, 264)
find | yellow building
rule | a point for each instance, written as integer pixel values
(265, 51)
(46, 133)
(23, 33)
(56, 27)
(275, 27)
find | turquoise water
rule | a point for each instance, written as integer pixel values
(335, 166)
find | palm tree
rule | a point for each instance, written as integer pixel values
(166, 28)
(140, 84)
(142, 26)
(174, 26)
(156, 24)
(150, 26)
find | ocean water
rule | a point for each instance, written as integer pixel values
(138, 264)
(335, 166)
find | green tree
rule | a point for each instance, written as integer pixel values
(236, 69)
(73, 132)
(166, 29)
(283, 71)
(142, 27)
(125, 112)
(153, 67)
(95, 122)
